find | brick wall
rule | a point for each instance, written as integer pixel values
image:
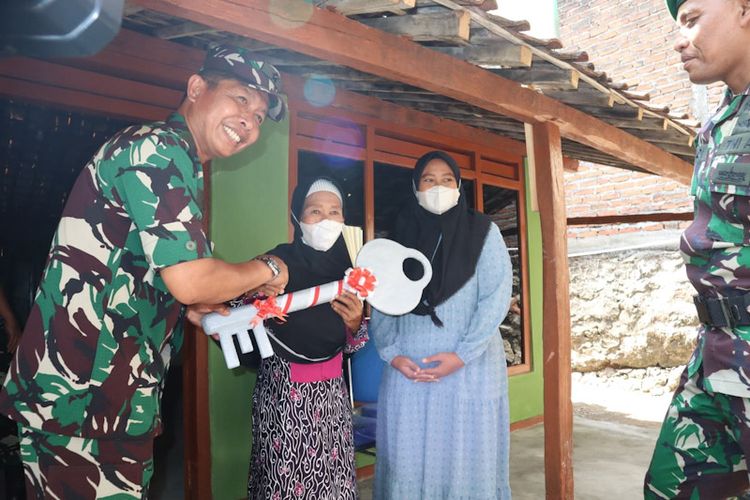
(633, 42)
(596, 190)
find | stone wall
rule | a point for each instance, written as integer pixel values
(630, 309)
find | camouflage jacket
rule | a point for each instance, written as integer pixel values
(716, 246)
(99, 338)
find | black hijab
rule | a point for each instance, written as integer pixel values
(454, 256)
(317, 332)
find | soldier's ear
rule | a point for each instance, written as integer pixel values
(745, 13)
(195, 87)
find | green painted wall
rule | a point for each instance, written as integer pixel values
(249, 214)
(526, 391)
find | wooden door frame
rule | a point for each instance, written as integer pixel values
(195, 404)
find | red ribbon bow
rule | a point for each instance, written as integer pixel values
(267, 308)
(361, 280)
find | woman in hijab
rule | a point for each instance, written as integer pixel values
(443, 424)
(302, 426)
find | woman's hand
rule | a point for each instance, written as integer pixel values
(349, 307)
(411, 370)
(447, 363)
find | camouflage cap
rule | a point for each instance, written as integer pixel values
(673, 6)
(258, 75)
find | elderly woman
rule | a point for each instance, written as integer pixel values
(302, 425)
(443, 425)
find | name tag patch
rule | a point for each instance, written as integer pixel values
(735, 144)
(732, 173)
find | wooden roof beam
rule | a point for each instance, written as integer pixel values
(283, 58)
(14, 88)
(182, 30)
(356, 7)
(296, 25)
(129, 9)
(65, 77)
(379, 87)
(646, 123)
(136, 56)
(545, 78)
(449, 27)
(580, 98)
(615, 111)
(386, 114)
(500, 54)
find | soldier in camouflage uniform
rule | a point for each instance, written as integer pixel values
(85, 384)
(704, 442)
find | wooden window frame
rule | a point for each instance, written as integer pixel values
(397, 144)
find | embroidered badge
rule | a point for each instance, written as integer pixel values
(732, 173)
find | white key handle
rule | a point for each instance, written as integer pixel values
(396, 293)
(378, 278)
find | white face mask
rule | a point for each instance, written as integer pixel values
(438, 199)
(321, 235)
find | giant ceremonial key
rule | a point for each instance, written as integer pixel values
(378, 278)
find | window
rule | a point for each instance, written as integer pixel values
(501, 205)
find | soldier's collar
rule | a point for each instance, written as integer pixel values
(177, 122)
(729, 95)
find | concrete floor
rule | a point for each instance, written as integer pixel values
(609, 459)
(611, 452)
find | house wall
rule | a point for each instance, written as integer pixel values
(249, 215)
(526, 390)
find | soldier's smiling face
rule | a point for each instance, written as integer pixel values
(713, 41)
(224, 118)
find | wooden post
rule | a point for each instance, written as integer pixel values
(558, 409)
(197, 467)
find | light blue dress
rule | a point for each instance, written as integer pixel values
(448, 439)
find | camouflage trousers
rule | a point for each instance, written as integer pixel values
(701, 449)
(67, 467)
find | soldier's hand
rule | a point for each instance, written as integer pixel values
(195, 312)
(280, 281)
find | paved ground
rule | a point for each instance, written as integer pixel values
(613, 437)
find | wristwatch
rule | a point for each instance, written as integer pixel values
(275, 269)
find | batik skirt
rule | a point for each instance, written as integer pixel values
(302, 438)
